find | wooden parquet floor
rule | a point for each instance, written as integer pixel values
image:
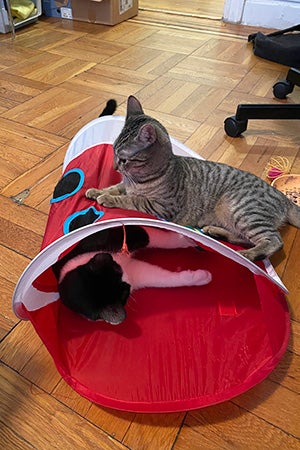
(190, 73)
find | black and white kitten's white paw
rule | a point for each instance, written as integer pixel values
(195, 277)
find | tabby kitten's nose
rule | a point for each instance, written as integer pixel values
(119, 162)
(116, 163)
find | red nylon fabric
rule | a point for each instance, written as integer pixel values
(178, 349)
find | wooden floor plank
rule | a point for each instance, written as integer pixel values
(7, 318)
(41, 192)
(262, 400)
(88, 48)
(11, 439)
(229, 426)
(58, 110)
(31, 179)
(115, 423)
(149, 431)
(11, 264)
(294, 345)
(287, 373)
(16, 89)
(40, 370)
(66, 395)
(50, 425)
(19, 239)
(205, 72)
(20, 346)
(59, 68)
(105, 86)
(174, 41)
(21, 216)
(12, 54)
(31, 140)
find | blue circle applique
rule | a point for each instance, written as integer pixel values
(71, 182)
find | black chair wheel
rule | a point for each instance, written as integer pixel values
(234, 127)
(282, 88)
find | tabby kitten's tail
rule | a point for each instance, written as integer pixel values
(109, 109)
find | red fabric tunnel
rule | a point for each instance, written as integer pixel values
(179, 348)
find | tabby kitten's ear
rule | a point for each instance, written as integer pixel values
(147, 134)
(133, 106)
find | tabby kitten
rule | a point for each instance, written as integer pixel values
(222, 200)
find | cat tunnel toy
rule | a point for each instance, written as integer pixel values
(179, 348)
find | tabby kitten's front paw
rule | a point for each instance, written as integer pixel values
(106, 200)
(92, 193)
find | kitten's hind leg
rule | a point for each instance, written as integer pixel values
(223, 234)
(264, 246)
(159, 238)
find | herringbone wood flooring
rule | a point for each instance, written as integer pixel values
(190, 73)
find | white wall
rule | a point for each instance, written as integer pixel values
(278, 14)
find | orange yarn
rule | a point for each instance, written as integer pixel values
(124, 248)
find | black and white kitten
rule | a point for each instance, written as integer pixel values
(95, 278)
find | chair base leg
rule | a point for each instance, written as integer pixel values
(284, 87)
(235, 125)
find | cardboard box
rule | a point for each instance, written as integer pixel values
(105, 12)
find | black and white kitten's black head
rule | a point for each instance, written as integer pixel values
(96, 290)
(93, 286)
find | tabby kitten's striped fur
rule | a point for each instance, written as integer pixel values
(224, 201)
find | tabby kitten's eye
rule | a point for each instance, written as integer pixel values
(122, 161)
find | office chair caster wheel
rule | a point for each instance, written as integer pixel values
(282, 88)
(234, 127)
